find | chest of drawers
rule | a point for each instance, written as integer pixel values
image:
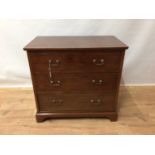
(76, 76)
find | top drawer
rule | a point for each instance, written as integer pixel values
(66, 61)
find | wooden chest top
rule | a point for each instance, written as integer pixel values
(75, 42)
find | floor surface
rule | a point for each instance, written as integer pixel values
(136, 115)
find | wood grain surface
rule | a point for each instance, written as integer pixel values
(72, 42)
(136, 115)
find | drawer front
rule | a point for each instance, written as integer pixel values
(76, 61)
(76, 102)
(67, 82)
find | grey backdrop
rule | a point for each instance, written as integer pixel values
(139, 35)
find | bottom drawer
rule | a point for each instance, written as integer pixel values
(76, 102)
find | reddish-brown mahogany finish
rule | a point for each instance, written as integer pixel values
(76, 76)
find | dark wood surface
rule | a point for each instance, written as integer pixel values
(40, 117)
(74, 42)
(77, 82)
(77, 60)
(66, 81)
(61, 102)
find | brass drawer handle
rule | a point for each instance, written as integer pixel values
(55, 62)
(96, 102)
(52, 81)
(57, 101)
(49, 69)
(98, 82)
(55, 83)
(98, 62)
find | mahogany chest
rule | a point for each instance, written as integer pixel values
(76, 76)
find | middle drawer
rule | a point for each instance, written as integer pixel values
(70, 82)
